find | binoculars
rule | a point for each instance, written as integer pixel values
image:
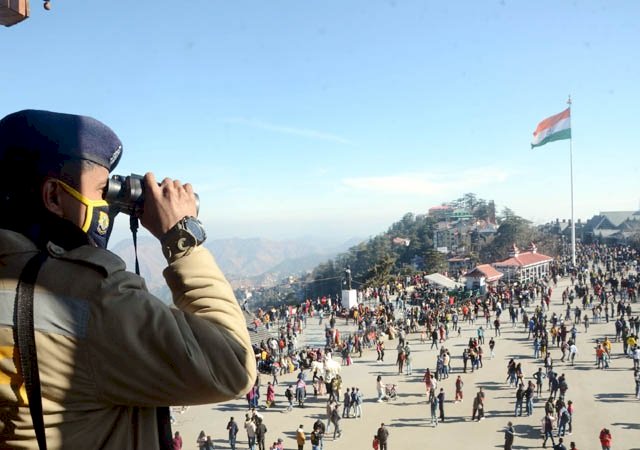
(126, 194)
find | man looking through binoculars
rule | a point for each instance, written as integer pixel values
(99, 356)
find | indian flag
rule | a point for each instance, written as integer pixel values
(553, 128)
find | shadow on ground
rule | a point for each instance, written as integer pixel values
(613, 397)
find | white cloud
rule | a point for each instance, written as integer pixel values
(430, 183)
(283, 129)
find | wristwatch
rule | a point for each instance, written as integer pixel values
(183, 237)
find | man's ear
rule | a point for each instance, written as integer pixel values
(51, 197)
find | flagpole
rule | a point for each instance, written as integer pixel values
(573, 222)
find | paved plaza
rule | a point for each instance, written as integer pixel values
(601, 397)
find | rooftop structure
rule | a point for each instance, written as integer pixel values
(524, 266)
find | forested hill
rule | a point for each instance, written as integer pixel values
(408, 245)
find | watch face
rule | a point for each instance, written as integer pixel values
(195, 227)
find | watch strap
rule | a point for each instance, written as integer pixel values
(179, 241)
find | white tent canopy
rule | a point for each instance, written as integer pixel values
(441, 280)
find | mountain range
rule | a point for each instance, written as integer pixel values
(245, 262)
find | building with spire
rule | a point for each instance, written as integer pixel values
(524, 266)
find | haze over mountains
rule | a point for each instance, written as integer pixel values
(245, 262)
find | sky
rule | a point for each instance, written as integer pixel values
(334, 119)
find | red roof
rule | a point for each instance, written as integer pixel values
(487, 271)
(525, 259)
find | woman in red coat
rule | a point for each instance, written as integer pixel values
(605, 439)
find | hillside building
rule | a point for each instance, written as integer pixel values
(441, 212)
(524, 266)
(614, 227)
(482, 276)
(459, 265)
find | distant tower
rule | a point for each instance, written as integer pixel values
(491, 213)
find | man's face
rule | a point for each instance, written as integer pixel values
(92, 183)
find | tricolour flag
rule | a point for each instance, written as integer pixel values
(553, 128)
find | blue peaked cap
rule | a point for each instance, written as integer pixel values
(46, 134)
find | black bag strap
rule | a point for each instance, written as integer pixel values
(24, 338)
(163, 415)
(163, 418)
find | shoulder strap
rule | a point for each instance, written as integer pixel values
(24, 337)
(163, 413)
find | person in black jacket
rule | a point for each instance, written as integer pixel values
(383, 436)
(261, 431)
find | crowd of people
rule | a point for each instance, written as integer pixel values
(602, 288)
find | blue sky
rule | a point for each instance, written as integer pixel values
(335, 118)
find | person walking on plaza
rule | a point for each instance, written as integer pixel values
(201, 440)
(570, 409)
(434, 339)
(301, 437)
(383, 436)
(459, 386)
(289, 396)
(331, 405)
(357, 402)
(547, 429)
(301, 392)
(346, 403)
(402, 356)
(261, 431)
(177, 441)
(605, 439)
(271, 395)
(250, 428)
(380, 350)
(528, 397)
(407, 362)
(429, 382)
(539, 376)
(478, 406)
(208, 444)
(314, 437)
(232, 428)
(480, 333)
(509, 435)
(563, 420)
(573, 351)
(433, 408)
(519, 400)
(441, 404)
(335, 421)
(380, 389)
(320, 430)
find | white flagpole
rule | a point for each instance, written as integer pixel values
(573, 222)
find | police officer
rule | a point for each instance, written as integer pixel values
(99, 353)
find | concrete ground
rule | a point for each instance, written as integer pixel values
(601, 398)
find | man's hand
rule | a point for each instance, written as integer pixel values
(166, 204)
